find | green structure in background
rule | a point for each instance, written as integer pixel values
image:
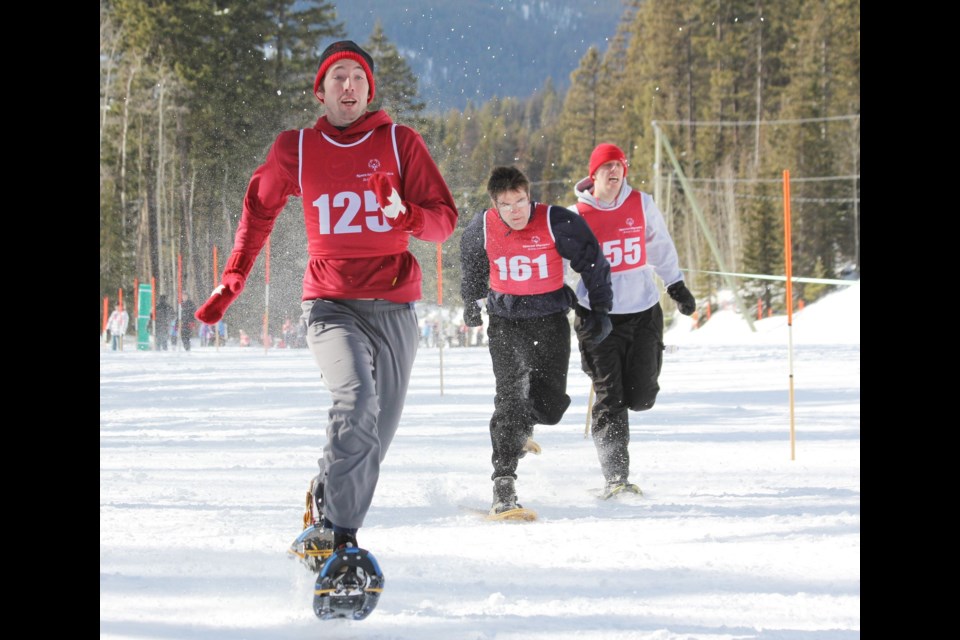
(144, 309)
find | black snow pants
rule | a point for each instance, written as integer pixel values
(531, 357)
(625, 370)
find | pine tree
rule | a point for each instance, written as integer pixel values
(580, 120)
(543, 127)
(658, 57)
(396, 90)
(292, 46)
(826, 46)
(763, 245)
(206, 87)
(615, 94)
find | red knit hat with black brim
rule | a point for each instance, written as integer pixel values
(338, 51)
(603, 154)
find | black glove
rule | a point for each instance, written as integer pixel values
(471, 314)
(586, 258)
(597, 326)
(682, 296)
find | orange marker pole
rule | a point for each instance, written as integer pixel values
(788, 261)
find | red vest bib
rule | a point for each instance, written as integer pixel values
(621, 232)
(342, 217)
(524, 262)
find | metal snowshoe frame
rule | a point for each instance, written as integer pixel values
(348, 586)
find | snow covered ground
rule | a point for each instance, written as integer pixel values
(205, 458)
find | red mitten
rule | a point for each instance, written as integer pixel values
(400, 214)
(231, 284)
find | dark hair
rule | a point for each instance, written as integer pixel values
(503, 179)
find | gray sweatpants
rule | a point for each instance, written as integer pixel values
(365, 349)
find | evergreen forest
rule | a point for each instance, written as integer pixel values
(713, 101)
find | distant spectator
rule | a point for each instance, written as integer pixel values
(117, 326)
(188, 308)
(426, 334)
(289, 333)
(206, 334)
(302, 333)
(162, 322)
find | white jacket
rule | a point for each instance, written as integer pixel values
(118, 321)
(636, 290)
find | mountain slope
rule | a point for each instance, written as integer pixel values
(475, 50)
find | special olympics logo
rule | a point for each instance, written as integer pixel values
(536, 239)
(630, 221)
(374, 165)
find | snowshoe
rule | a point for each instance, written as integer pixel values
(349, 585)
(313, 547)
(531, 446)
(315, 543)
(615, 488)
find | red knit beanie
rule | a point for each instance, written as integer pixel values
(339, 51)
(605, 153)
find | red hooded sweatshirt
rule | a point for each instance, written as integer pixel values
(353, 251)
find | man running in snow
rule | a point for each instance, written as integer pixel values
(367, 185)
(512, 255)
(625, 368)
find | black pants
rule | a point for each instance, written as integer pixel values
(530, 362)
(625, 370)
